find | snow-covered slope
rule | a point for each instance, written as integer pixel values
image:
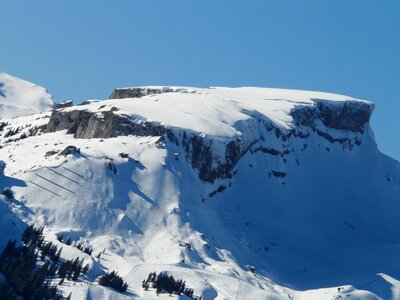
(211, 185)
(219, 111)
(19, 97)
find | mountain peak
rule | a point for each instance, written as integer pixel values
(244, 193)
(19, 97)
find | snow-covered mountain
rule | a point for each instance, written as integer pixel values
(19, 97)
(245, 193)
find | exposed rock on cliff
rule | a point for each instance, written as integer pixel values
(216, 156)
(351, 115)
(66, 103)
(138, 92)
(85, 124)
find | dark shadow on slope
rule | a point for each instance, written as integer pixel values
(124, 185)
(121, 194)
(80, 155)
(136, 163)
(20, 205)
(126, 224)
(378, 285)
(10, 182)
(7, 181)
(304, 258)
(11, 225)
(137, 191)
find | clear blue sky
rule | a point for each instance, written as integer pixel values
(80, 49)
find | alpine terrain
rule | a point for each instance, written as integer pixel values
(241, 193)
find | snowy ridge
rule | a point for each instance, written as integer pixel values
(211, 185)
(215, 111)
(217, 126)
(19, 97)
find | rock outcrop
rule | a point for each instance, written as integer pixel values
(85, 124)
(351, 115)
(66, 103)
(199, 149)
(138, 92)
(217, 157)
(70, 150)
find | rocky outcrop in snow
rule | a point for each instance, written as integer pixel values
(351, 115)
(21, 128)
(138, 92)
(216, 157)
(85, 124)
(66, 103)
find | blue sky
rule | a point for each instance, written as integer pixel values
(84, 49)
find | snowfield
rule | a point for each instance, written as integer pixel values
(19, 97)
(308, 211)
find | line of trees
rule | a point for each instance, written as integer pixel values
(164, 283)
(70, 242)
(72, 269)
(113, 280)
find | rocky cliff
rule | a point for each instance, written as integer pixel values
(215, 157)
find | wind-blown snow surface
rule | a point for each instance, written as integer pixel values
(319, 222)
(19, 97)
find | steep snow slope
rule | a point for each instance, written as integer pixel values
(19, 97)
(216, 180)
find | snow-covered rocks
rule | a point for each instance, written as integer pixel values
(70, 150)
(217, 126)
(64, 104)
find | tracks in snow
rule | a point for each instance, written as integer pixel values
(52, 185)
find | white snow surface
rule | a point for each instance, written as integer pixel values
(328, 229)
(19, 97)
(216, 111)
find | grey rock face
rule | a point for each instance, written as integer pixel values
(351, 115)
(67, 103)
(70, 150)
(84, 124)
(209, 165)
(138, 92)
(200, 151)
(86, 102)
